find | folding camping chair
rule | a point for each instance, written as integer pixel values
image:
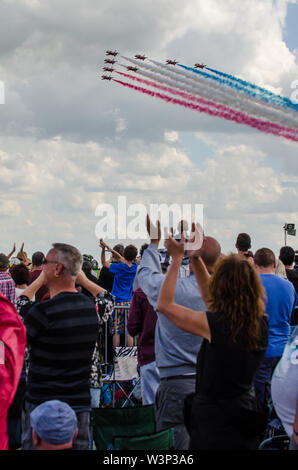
(163, 440)
(107, 423)
(125, 369)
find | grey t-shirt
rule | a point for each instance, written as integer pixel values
(284, 384)
(175, 350)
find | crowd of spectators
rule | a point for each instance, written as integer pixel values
(216, 335)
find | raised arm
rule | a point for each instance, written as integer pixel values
(104, 262)
(186, 319)
(202, 276)
(90, 286)
(105, 247)
(31, 290)
(116, 255)
(201, 273)
(12, 251)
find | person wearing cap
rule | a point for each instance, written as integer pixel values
(7, 285)
(54, 426)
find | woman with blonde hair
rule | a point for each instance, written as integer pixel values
(223, 413)
(280, 269)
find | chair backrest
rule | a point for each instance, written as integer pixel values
(125, 363)
(131, 421)
(163, 440)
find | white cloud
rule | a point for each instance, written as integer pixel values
(172, 136)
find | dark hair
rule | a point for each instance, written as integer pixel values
(236, 292)
(119, 248)
(20, 274)
(86, 267)
(287, 255)
(130, 252)
(143, 248)
(264, 257)
(243, 242)
(249, 254)
(38, 258)
(4, 261)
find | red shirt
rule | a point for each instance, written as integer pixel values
(43, 290)
(13, 341)
(142, 320)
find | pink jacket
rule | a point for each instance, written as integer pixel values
(12, 351)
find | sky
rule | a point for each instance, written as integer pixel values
(70, 142)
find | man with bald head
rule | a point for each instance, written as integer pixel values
(175, 350)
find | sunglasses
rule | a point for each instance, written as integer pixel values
(46, 261)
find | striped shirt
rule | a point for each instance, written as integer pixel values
(7, 286)
(61, 333)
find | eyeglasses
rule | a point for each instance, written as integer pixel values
(46, 261)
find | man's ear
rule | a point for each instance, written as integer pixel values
(75, 435)
(59, 269)
(36, 439)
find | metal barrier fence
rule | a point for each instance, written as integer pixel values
(107, 333)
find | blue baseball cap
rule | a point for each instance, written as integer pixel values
(54, 422)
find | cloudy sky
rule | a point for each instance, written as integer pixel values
(70, 141)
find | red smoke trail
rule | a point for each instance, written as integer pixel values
(231, 115)
(232, 112)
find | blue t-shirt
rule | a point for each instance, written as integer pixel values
(123, 280)
(281, 300)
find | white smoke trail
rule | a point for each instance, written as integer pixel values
(219, 95)
(190, 78)
(232, 91)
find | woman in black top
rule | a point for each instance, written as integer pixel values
(224, 413)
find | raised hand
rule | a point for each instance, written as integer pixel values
(195, 242)
(174, 248)
(103, 244)
(154, 231)
(12, 251)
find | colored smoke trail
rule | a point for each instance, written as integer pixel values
(283, 102)
(220, 96)
(285, 117)
(235, 115)
(262, 125)
(247, 84)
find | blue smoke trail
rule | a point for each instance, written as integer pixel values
(247, 84)
(275, 99)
